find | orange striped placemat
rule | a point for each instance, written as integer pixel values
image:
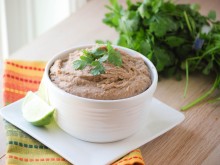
(18, 78)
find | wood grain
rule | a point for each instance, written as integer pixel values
(195, 141)
(211, 159)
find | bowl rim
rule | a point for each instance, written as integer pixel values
(152, 69)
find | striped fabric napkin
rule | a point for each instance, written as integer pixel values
(22, 149)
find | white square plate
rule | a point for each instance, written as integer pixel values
(161, 119)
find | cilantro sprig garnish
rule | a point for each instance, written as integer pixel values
(96, 57)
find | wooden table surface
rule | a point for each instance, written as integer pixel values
(195, 141)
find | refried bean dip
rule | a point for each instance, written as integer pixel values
(131, 79)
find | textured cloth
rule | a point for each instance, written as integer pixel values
(19, 78)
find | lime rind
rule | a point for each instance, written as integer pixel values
(37, 111)
(44, 121)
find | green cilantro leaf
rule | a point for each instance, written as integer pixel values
(161, 25)
(86, 52)
(163, 58)
(103, 58)
(145, 47)
(98, 68)
(143, 11)
(114, 56)
(122, 40)
(195, 7)
(156, 5)
(79, 64)
(87, 58)
(98, 52)
(212, 15)
(174, 41)
(129, 23)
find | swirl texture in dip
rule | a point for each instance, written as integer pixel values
(131, 79)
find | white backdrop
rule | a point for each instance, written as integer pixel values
(23, 20)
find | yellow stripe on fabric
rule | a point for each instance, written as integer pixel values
(40, 64)
(132, 158)
(33, 159)
(24, 72)
(15, 91)
(22, 156)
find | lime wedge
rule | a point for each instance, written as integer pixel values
(42, 90)
(36, 111)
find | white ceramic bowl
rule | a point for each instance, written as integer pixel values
(99, 120)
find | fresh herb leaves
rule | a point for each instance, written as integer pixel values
(114, 57)
(172, 36)
(96, 57)
(79, 64)
(98, 68)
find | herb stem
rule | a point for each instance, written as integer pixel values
(187, 78)
(205, 95)
(184, 108)
(214, 100)
(187, 21)
(210, 51)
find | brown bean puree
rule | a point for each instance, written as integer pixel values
(131, 79)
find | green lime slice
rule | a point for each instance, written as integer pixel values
(36, 111)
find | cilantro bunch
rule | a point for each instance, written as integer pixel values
(96, 57)
(175, 37)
